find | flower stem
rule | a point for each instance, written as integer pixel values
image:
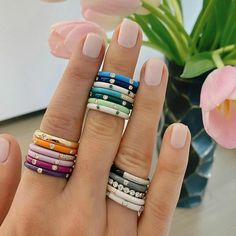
(218, 60)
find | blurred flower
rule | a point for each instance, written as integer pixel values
(64, 36)
(143, 11)
(112, 7)
(218, 103)
(107, 22)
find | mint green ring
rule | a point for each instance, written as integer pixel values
(110, 105)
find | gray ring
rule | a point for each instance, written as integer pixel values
(127, 183)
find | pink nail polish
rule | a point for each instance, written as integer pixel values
(153, 72)
(179, 136)
(92, 45)
(128, 34)
(4, 149)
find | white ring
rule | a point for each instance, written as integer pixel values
(125, 196)
(114, 87)
(136, 179)
(107, 110)
(124, 203)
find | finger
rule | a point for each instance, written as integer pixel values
(136, 150)
(10, 172)
(165, 187)
(102, 132)
(65, 113)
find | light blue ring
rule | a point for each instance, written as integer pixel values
(118, 77)
(112, 93)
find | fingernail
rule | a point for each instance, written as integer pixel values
(128, 34)
(179, 136)
(92, 45)
(153, 72)
(4, 149)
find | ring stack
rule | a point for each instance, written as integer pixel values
(126, 189)
(113, 94)
(51, 155)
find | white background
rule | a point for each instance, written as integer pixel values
(28, 72)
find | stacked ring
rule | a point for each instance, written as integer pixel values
(113, 94)
(129, 192)
(51, 155)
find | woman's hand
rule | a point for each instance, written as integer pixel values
(46, 205)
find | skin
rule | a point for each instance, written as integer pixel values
(45, 205)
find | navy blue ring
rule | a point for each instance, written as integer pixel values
(111, 99)
(118, 77)
(118, 83)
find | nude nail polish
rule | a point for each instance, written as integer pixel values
(4, 149)
(179, 136)
(92, 45)
(128, 34)
(153, 72)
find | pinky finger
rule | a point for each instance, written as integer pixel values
(165, 187)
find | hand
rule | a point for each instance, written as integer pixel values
(46, 205)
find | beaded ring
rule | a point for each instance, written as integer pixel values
(118, 77)
(112, 99)
(107, 110)
(48, 166)
(50, 160)
(50, 153)
(114, 87)
(109, 104)
(112, 93)
(129, 184)
(54, 147)
(46, 172)
(118, 83)
(125, 196)
(53, 139)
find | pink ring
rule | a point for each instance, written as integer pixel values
(47, 159)
(48, 166)
(52, 154)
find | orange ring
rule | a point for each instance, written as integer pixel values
(54, 147)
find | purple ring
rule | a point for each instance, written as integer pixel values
(50, 153)
(50, 160)
(46, 172)
(48, 166)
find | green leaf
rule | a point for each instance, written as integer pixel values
(198, 65)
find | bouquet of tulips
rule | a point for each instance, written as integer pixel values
(211, 46)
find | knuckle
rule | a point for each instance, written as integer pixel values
(160, 210)
(102, 127)
(134, 160)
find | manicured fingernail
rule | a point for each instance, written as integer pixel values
(92, 45)
(128, 34)
(153, 72)
(4, 149)
(179, 136)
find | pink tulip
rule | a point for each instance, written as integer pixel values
(64, 36)
(112, 7)
(105, 21)
(218, 103)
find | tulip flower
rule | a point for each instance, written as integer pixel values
(107, 22)
(112, 7)
(64, 36)
(218, 103)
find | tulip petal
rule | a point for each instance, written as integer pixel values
(65, 35)
(105, 21)
(219, 86)
(109, 7)
(221, 127)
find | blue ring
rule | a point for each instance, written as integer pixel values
(118, 77)
(118, 83)
(108, 92)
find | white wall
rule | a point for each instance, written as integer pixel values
(28, 72)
